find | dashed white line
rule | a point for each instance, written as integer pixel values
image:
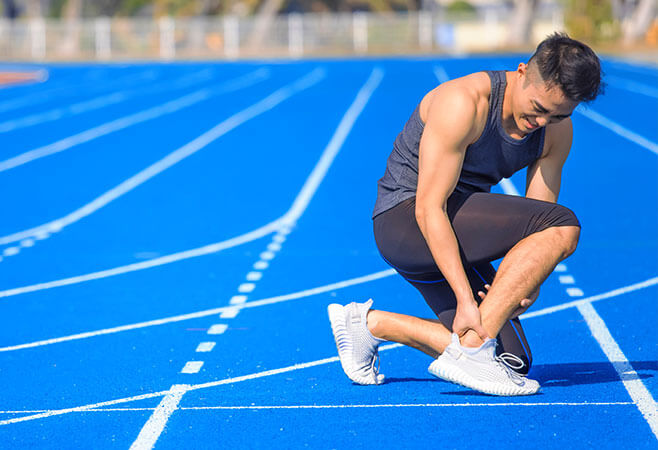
(219, 328)
(274, 247)
(566, 279)
(238, 299)
(192, 367)
(27, 243)
(575, 292)
(561, 268)
(279, 238)
(246, 287)
(261, 265)
(204, 347)
(254, 276)
(229, 313)
(11, 251)
(267, 256)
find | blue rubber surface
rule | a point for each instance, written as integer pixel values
(121, 261)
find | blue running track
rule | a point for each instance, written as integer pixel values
(171, 235)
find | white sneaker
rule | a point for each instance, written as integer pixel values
(357, 347)
(480, 369)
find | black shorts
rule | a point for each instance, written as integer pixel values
(487, 226)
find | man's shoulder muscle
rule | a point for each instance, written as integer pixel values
(465, 94)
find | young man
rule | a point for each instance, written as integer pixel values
(438, 225)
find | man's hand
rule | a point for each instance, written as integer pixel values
(523, 307)
(467, 317)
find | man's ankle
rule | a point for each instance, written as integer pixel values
(471, 339)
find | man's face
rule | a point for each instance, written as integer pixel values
(536, 105)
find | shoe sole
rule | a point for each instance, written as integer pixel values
(458, 376)
(339, 330)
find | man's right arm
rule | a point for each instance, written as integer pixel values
(449, 129)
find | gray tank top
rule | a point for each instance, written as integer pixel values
(494, 156)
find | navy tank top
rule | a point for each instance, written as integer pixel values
(494, 156)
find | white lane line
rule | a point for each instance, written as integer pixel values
(229, 313)
(192, 367)
(238, 299)
(101, 102)
(567, 279)
(156, 423)
(130, 120)
(441, 74)
(396, 405)
(176, 156)
(267, 256)
(632, 86)
(595, 298)
(385, 405)
(168, 259)
(274, 247)
(618, 129)
(261, 265)
(296, 210)
(319, 171)
(561, 268)
(219, 328)
(279, 238)
(11, 251)
(303, 294)
(629, 377)
(45, 95)
(245, 288)
(205, 347)
(253, 376)
(508, 187)
(254, 276)
(575, 292)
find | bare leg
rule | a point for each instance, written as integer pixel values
(522, 270)
(428, 336)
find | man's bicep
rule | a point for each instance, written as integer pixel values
(442, 150)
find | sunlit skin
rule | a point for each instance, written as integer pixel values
(531, 103)
(455, 115)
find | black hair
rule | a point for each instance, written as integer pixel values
(570, 65)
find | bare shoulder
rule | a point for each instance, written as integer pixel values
(558, 137)
(464, 99)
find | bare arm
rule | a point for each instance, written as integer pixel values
(545, 175)
(449, 129)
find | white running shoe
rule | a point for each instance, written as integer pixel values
(480, 369)
(357, 347)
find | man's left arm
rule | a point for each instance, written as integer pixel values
(544, 175)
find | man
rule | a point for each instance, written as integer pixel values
(438, 225)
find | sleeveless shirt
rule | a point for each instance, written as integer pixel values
(494, 156)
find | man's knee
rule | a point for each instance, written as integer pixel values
(564, 223)
(568, 238)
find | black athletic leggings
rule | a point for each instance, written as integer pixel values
(487, 226)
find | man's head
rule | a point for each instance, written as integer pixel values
(560, 74)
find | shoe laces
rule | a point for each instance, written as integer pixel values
(510, 363)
